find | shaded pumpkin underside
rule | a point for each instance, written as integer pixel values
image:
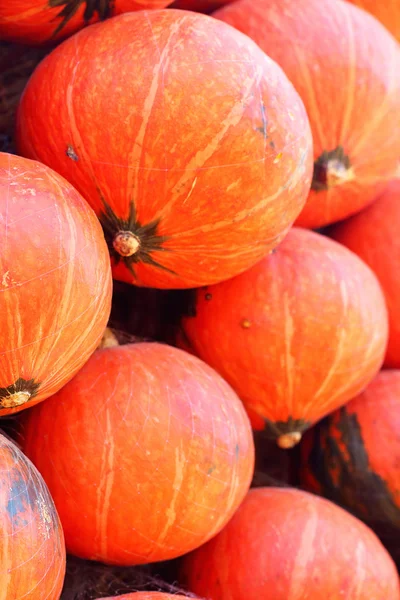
(340, 466)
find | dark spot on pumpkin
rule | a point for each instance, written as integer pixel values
(237, 452)
(245, 323)
(208, 296)
(330, 167)
(211, 469)
(271, 144)
(348, 480)
(71, 7)
(72, 154)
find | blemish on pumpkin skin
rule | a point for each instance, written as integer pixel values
(246, 323)
(208, 296)
(71, 153)
(277, 158)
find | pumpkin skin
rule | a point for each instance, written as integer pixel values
(184, 440)
(293, 545)
(296, 336)
(185, 199)
(388, 13)
(42, 22)
(204, 6)
(373, 236)
(339, 59)
(32, 549)
(55, 282)
(352, 457)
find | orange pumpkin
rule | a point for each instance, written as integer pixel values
(388, 13)
(147, 453)
(353, 457)
(55, 286)
(32, 549)
(44, 21)
(296, 336)
(284, 543)
(196, 167)
(345, 66)
(373, 236)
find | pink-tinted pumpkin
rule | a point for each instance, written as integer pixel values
(286, 544)
(55, 282)
(196, 156)
(147, 453)
(32, 549)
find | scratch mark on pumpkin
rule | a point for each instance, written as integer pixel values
(170, 513)
(105, 486)
(191, 190)
(6, 279)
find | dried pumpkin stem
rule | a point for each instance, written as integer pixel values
(289, 440)
(126, 243)
(16, 399)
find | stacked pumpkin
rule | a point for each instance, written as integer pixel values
(171, 150)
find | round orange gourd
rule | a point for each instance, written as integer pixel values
(284, 543)
(147, 453)
(345, 66)
(186, 150)
(37, 22)
(388, 13)
(32, 549)
(373, 235)
(296, 336)
(353, 457)
(55, 282)
(205, 6)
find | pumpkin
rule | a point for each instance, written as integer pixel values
(388, 13)
(39, 22)
(32, 549)
(146, 596)
(292, 545)
(353, 457)
(296, 336)
(339, 59)
(205, 6)
(55, 282)
(201, 162)
(147, 453)
(373, 236)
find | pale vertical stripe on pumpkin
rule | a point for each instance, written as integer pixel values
(299, 579)
(345, 129)
(171, 511)
(105, 486)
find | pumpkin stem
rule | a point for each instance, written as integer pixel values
(109, 340)
(289, 440)
(331, 169)
(15, 399)
(126, 243)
